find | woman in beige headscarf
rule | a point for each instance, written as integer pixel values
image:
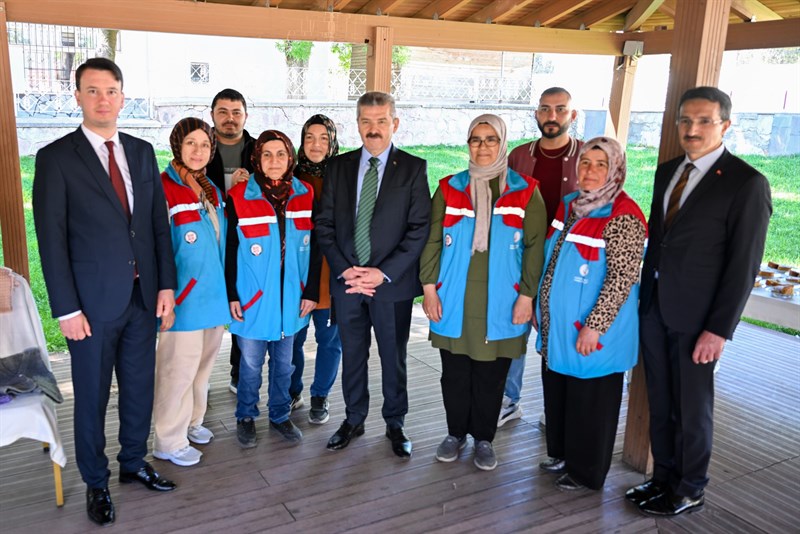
(480, 270)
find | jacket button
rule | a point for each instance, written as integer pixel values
(565, 178)
(133, 234)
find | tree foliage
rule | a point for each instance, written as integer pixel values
(296, 53)
(344, 54)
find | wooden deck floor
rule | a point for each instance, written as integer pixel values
(755, 469)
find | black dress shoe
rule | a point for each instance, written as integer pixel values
(342, 437)
(149, 477)
(99, 506)
(567, 483)
(644, 492)
(668, 505)
(401, 443)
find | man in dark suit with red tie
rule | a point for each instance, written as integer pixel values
(708, 223)
(373, 223)
(106, 253)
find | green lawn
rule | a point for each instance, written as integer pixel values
(783, 240)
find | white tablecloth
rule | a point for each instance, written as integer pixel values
(32, 416)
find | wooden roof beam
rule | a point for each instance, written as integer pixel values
(551, 12)
(497, 11)
(640, 13)
(753, 11)
(340, 5)
(668, 8)
(602, 12)
(442, 8)
(385, 6)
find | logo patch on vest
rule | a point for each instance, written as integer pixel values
(190, 237)
(583, 270)
(306, 240)
(448, 240)
(255, 249)
(517, 237)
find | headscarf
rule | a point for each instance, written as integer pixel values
(305, 165)
(588, 201)
(480, 191)
(179, 133)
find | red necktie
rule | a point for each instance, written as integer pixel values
(674, 203)
(116, 179)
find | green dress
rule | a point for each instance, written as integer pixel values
(473, 337)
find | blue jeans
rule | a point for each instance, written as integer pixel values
(280, 372)
(329, 354)
(514, 379)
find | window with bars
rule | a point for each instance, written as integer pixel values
(199, 72)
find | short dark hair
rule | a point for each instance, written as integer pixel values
(98, 63)
(555, 91)
(712, 94)
(376, 98)
(229, 94)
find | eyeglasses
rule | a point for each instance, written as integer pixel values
(545, 110)
(704, 122)
(490, 141)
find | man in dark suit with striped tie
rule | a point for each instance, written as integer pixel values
(104, 240)
(708, 223)
(373, 222)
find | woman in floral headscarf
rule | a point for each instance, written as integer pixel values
(479, 271)
(317, 144)
(587, 315)
(186, 353)
(272, 272)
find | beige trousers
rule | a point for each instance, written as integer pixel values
(184, 361)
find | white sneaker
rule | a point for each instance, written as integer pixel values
(512, 410)
(199, 434)
(184, 457)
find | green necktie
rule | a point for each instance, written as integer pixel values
(366, 205)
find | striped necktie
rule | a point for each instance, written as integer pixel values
(366, 205)
(674, 204)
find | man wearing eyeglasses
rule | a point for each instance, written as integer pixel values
(708, 223)
(552, 161)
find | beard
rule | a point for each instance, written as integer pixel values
(562, 129)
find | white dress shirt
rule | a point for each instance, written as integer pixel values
(702, 165)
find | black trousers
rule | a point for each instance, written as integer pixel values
(236, 356)
(472, 392)
(125, 346)
(357, 316)
(582, 416)
(681, 397)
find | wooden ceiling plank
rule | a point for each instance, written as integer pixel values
(668, 8)
(444, 8)
(204, 18)
(551, 12)
(603, 11)
(340, 5)
(753, 10)
(496, 11)
(385, 6)
(640, 13)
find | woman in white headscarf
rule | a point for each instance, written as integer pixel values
(480, 270)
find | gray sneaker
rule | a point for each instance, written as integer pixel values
(450, 448)
(287, 430)
(246, 432)
(485, 458)
(297, 402)
(318, 414)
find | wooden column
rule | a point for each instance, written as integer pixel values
(12, 215)
(619, 103)
(379, 60)
(701, 27)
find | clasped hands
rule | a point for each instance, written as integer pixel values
(362, 280)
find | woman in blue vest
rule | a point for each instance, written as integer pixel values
(586, 311)
(479, 271)
(272, 273)
(186, 353)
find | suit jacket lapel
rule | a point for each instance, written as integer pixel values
(660, 189)
(707, 182)
(133, 168)
(85, 151)
(351, 174)
(386, 181)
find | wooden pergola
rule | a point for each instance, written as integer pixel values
(694, 32)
